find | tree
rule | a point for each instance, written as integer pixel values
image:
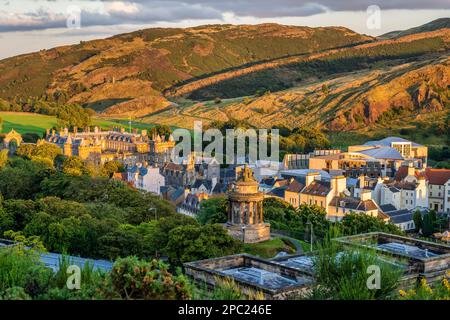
(355, 223)
(73, 115)
(21, 179)
(3, 157)
(194, 242)
(46, 151)
(74, 166)
(162, 130)
(111, 167)
(428, 225)
(213, 210)
(26, 150)
(418, 222)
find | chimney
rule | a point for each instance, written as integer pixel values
(411, 170)
(338, 184)
(310, 177)
(365, 195)
(362, 181)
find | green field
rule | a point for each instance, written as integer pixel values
(38, 123)
(268, 249)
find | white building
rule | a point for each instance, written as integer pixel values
(146, 178)
(410, 193)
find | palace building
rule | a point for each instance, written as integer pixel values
(117, 144)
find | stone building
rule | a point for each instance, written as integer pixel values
(102, 146)
(245, 210)
(12, 140)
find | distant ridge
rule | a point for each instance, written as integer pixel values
(430, 26)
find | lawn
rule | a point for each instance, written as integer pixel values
(270, 248)
(37, 123)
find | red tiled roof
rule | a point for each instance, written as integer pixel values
(437, 176)
(402, 173)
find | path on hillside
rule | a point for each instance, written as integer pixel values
(295, 242)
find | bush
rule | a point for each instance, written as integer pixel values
(132, 278)
(342, 274)
(424, 291)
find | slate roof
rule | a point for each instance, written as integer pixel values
(278, 192)
(387, 208)
(199, 182)
(228, 173)
(387, 142)
(191, 203)
(219, 188)
(304, 172)
(383, 153)
(268, 181)
(354, 204)
(174, 196)
(395, 186)
(318, 188)
(173, 166)
(295, 186)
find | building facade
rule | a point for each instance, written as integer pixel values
(101, 146)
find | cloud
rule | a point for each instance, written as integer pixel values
(47, 14)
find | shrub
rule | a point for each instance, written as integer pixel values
(132, 278)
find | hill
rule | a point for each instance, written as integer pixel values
(128, 72)
(348, 101)
(269, 74)
(430, 26)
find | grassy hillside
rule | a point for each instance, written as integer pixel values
(348, 101)
(269, 74)
(290, 72)
(36, 123)
(126, 73)
(430, 26)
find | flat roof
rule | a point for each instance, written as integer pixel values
(262, 277)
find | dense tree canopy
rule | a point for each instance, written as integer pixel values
(73, 115)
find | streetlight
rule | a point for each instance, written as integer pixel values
(243, 234)
(310, 234)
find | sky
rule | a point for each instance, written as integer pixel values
(32, 25)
